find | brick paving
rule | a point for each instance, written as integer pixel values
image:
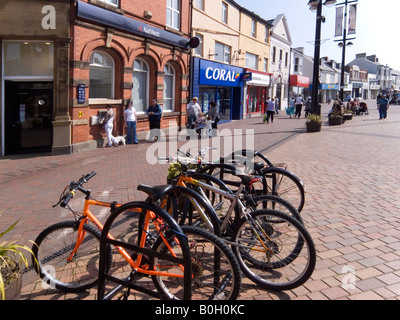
(352, 207)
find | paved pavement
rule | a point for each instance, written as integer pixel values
(352, 207)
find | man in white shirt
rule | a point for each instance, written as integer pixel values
(193, 110)
(299, 104)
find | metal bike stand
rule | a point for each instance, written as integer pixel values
(127, 282)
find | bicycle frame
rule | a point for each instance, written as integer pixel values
(184, 179)
(87, 215)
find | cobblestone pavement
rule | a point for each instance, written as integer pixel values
(352, 207)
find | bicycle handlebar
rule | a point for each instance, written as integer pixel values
(73, 187)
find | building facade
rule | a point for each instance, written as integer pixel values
(34, 96)
(127, 51)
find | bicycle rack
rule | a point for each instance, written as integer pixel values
(127, 283)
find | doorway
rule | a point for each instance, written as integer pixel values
(28, 117)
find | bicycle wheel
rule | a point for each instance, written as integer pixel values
(274, 250)
(215, 269)
(274, 203)
(282, 183)
(54, 246)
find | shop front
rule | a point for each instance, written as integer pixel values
(34, 76)
(221, 83)
(299, 85)
(256, 91)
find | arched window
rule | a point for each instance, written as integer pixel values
(101, 74)
(169, 87)
(140, 81)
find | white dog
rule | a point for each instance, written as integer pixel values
(120, 140)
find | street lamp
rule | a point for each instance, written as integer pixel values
(317, 5)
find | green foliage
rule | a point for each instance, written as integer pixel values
(175, 169)
(314, 118)
(11, 257)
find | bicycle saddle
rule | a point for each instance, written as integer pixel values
(155, 192)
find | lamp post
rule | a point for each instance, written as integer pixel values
(317, 5)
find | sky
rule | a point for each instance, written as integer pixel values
(377, 30)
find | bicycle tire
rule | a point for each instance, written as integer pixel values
(282, 183)
(275, 203)
(54, 245)
(216, 271)
(292, 255)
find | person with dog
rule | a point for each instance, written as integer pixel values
(154, 111)
(130, 124)
(109, 126)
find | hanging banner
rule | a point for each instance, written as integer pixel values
(352, 19)
(339, 22)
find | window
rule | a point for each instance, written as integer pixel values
(266, 35)
(297, 65)
(224, 13)
(200, 4)
(265, 65)
(280, 55)
(222, 53)
(113, 2)
(101, 74)
(140, 82)
(253, 28)
(286, 59)
(251, 61)
(169, 88)
(199, 50)
(273, 54)
(174, 13)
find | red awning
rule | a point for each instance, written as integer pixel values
(299, 81)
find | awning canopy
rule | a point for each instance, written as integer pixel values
(299, 81)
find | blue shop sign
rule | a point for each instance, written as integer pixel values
(118, 21)
(218, 74)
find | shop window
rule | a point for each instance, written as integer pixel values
(140, 82)
(174, 13)
(199, 50)
(101, 74)
(224, 13)
(113, 2)
(28, 59)
(169, 88)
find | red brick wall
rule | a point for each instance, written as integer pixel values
(124, 49)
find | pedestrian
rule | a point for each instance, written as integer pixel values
(290, 109)
(208, 126)
(383, 107)
(109, 126)
(271, 110)
(193, 110)
(307, 109)
(154, 112)
(277, 105)
(299, 104)
(213, 113)
(130, 124)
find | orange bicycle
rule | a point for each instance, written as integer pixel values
(66, 254)
(146, 243)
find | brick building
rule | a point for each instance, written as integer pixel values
(126, 50)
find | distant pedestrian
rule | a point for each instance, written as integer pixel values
(130, 124)
(213, 113)
(383, 107)
(299, 105)
(193, 110)
(154, 111)
(277, 105)
(208, 126)
(290, 109)
(271, 110)
(109, 126)
(307, 109)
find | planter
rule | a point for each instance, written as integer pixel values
(313, 126)
(335, 121)
(14, 289)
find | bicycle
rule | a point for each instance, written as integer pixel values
(77, 262)
(275, 235)
(275, 180)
